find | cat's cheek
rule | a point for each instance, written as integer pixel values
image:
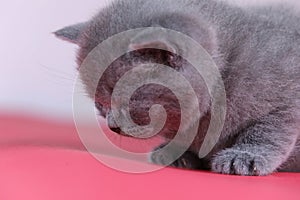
(236, 162)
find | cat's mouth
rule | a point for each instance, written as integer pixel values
(120, 132)
(141, 132)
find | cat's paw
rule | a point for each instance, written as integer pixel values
(158, 158)
(164, 160)
(187, 161)
(232, 161)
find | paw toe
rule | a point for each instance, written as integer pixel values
(240, 163)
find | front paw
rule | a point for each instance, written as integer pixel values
(187, 161)
(156, 157)
(233, 161)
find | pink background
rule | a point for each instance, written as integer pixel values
(42, 160)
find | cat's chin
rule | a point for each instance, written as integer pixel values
(125, 135)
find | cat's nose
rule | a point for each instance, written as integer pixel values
(116, 130)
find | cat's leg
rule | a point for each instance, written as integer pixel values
(261, 148)
(188, 160)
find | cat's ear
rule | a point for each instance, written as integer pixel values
(71, 33)
(148, 39)
(154, 44)
(156, 40)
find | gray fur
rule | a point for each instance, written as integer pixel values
(258, 53)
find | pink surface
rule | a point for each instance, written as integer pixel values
(45, 160)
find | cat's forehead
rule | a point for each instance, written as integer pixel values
(113, 20)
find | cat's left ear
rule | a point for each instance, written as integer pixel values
(156, 40)
(148, 39)
(71, 33)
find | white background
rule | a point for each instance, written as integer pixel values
(37, 71)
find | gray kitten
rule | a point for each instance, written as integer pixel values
(257, 51)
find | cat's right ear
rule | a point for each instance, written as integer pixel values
(71, 33)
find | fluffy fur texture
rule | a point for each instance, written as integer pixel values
(257, 51)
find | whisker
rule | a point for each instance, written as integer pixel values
(57, 73)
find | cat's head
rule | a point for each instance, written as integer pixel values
(113, 20)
